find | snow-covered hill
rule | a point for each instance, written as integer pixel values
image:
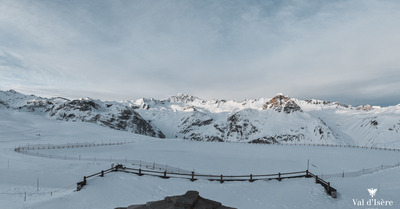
(280, 119)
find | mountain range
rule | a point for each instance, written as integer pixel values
(279, 119)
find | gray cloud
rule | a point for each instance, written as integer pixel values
(336, 50)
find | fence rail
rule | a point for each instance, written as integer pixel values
(336, 145)
(327, 185)
(221, 178)
(34, 150)
(66, 146)
(165, 171)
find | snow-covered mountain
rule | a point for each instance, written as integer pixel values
(280, 119)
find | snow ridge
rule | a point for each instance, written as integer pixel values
(280, 119)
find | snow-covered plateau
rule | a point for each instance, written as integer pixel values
(261, 136)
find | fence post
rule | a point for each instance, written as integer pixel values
(192, 179)
(165, 174)
(251, 178)
(279, 176)
(84, 180)
(102, 174)
(316, 179)
(140, 172)
(329, 187)
(222, 179)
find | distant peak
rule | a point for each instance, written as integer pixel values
(366, 107)
(280, 98)
(185, 98)
(282, 103)
(12, 91)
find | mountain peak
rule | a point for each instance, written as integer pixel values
(281, 102)
(12, 91)
(185, 98)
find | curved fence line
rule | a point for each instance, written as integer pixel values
(66, 146)
(356, 173)
(34, 150)
(29, 150)
(360, 172)
(334, 145)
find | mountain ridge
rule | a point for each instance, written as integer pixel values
(280, 119)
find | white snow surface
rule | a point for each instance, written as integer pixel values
(57, 177)
(188, 117)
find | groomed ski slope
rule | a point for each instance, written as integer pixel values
(57, 178)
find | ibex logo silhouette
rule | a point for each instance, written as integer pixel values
(372, 192)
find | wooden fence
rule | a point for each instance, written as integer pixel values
(327, 185)
(65, 146)
(336, 145)
(221, 178)
(80, 184)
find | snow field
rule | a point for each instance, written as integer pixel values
(58, 178)
(237, 158)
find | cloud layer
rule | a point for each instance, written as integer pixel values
(336, 50)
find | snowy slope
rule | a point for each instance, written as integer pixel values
(280, 119)
(58, 177)
(111, 114)
(277, 120)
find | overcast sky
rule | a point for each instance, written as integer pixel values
(347, 51)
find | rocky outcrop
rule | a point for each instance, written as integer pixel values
(184, 98)
(278, 120)
(125, 119)
(278, 139)
(190, 200)
(240, 127)
(282, 103)
(111, 114)
(366, 107)
(4, 104)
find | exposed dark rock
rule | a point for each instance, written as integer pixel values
(241, 126)
(291, 106)
(127, 119)
(290, 137)
(191, 124)
(4, 104)
(282, 103)
(190, 200)
(37, 105)
(314, 101)
(216, 126)
(82, 105)
(146, 106)
(202, 123)
(196, 137)
(214, 139)
(264, 140)
(182, 98)
(278, 139)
